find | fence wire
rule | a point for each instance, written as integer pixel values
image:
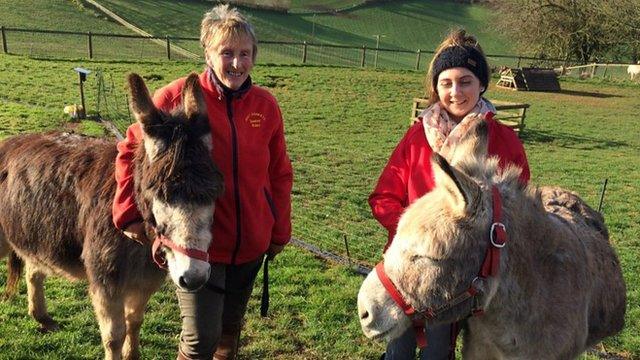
(64, 44)
(617, 72)
(45, 44)
(111, 104)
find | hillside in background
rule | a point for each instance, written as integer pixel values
(315, 5)
(55, 15)
(410, 25)
(67, 15)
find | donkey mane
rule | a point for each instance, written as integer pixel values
(169, 167)
(471, 158)
(177, 175)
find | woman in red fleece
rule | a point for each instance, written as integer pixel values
(253, 217)
(457, 78)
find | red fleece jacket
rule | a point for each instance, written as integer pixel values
(249, 149)
(408, 174)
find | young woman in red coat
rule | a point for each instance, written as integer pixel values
(253, 216)
(457, 78)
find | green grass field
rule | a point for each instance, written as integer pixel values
(338, 141)
(314, 5)
(341, 125)
(408, 25)
(47, 14)
(77, 18)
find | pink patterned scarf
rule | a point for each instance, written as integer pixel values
(442, 132)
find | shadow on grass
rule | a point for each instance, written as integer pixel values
(587, 93)
(569, 141)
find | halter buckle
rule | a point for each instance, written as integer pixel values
(477, 283)
(493, 231)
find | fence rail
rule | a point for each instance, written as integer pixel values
(95, 45)
(603, 70)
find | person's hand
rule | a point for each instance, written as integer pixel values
(136, 232)
(274, 249)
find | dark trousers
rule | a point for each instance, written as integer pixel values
(404, 347)
(216, 308)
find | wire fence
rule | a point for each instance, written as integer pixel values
(111, 104)
(605, 71)
(102, 46)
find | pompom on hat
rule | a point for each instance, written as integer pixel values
(462, 56)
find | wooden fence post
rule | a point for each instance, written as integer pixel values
(168, 48)
(518, 65)
(593, 70)
(90, 45)
(418, 59)
(304, 52)
(364, 55)
(375, 59)
(4, 40)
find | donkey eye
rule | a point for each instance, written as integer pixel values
(416, 258)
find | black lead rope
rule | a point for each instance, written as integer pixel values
(264, 304)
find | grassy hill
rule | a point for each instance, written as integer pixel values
(68, 15)
(409, 25)
(55, 15)
(339, 141)
(314, 5)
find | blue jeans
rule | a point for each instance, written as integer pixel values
(438, 344)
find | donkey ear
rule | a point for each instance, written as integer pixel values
(463, 192)
(473, 144)
(192, 98)
(141, 105)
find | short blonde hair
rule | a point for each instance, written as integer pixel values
(224, 23)
(459, 38)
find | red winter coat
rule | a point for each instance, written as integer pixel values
(408, 174)
(249, 149)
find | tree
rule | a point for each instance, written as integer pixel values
(624, 18)
(586, 30)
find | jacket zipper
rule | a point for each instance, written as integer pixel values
(272, 206)
(236, 190)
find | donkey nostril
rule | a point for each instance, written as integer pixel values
(364, 315)
(191, 282)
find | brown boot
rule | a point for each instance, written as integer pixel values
(228, 345)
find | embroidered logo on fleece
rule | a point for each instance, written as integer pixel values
(254, 119)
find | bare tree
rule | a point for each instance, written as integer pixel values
(623, 17)
(585, 30)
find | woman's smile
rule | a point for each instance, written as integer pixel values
(459, 91)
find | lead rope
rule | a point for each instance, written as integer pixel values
(264, 303)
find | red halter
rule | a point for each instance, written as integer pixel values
(490, 268)
(162, 240)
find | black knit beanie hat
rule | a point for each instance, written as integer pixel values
(462, 56)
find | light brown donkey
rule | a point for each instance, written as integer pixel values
(556, 287)
(56, 192)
